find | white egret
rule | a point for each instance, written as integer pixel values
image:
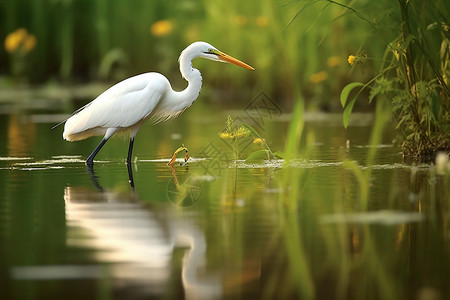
(128, 104)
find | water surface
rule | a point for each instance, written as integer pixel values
(325, 226)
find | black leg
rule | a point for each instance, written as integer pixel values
(90, 159)
(94, 178)
(130, 176)
(130, 150)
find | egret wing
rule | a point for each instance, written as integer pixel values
(121, 106)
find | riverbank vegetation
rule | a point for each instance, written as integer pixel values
(413, 77)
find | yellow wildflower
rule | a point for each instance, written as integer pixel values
(11, 43)
(161, 28)
(318, 77)
(241, 20)
(226, 135)
(231, 133)
(258, 141)
(333, 61)
(262, 21)
(234, 134)
(29, 43)
(241, 132)
(20, 40)
(351, 59)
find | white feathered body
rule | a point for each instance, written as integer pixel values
(128, 104)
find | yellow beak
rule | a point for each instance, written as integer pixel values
(225, 57)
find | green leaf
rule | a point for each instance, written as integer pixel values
(362, 179)
(251, 129)
(299, 12)
(295, 129)
(346, 91)
(410, 136)
(435, 105)
(255, 133)
(280, 154)
(348, 111)
(258, 156)
(381, 86)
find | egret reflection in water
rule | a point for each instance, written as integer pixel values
(137, 242)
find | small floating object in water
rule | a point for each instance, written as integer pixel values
(442, 163)
(175, 136)
(186, 157)
(347, 144)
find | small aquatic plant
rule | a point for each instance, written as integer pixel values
(174, 157)
(233, 133)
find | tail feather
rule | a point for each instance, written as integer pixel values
(54, 126)
(74, 113)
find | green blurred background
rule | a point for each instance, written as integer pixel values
(296, 47)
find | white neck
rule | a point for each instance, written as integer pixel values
(175, 102)
(193, 77)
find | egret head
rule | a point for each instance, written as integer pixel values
(205, 50)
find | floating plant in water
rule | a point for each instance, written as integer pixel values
(233, 133)
(174, 157)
